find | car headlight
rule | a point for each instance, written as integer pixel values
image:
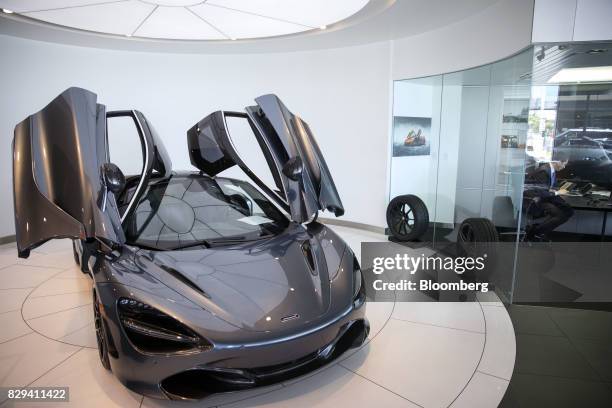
(153, 331)
(358, 287)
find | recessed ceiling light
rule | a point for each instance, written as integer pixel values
(7, 11)
(586, 74)
(233, 39)
(323, 27)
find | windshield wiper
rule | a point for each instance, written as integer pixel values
(209, 243)
(238, 238)
(229, 240)
(203, 242)
(220, 241)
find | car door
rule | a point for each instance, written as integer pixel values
(61, 184)
(302, 179)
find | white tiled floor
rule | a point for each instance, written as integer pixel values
(417, 355)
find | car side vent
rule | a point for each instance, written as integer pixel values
(184, 279)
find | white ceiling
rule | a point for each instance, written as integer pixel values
(189, 19)
(378, 20)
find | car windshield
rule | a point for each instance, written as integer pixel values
(186, 210)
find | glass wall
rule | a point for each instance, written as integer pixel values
(525, 142)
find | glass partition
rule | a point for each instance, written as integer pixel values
(525, 143)
(416, 139)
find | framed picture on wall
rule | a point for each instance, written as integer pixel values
(411, 136)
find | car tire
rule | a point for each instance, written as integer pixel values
(407, 217)
(100, 328)
(476, 236)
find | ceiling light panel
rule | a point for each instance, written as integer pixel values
(34, 5)
(112, 18)
(245, 25)
(177, 23)
(189, 19)
(313, 13)
(174, 3)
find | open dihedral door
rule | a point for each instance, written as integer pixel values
(299, 170)
(58, 182)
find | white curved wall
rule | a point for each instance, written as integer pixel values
(343, 93)
(496, 32)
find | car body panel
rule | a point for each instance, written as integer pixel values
(287, 136)
(211, 150)
(57, 183)
(256, 285)
(282, 136)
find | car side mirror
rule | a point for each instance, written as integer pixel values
(293, 168)
(113, 177)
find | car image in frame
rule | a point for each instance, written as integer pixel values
(202, 284)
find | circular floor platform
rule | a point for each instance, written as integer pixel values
(419, 354)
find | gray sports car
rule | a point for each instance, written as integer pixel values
(201, 283)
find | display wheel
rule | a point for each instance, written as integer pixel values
(407, 217)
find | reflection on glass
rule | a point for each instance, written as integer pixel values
(524, 144)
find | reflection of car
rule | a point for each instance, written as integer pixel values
(577, 145)
(201, 284)
(588, 154)
(415, 139)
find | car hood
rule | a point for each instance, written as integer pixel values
(266, 285)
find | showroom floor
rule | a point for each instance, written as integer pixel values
(419, 354)
(563, 358)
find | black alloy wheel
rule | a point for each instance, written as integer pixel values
(100, 333)
(407, 217)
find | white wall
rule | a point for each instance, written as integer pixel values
(572, 20)
(496, 32)
(342, 93)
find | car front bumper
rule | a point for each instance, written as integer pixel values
(229, 367)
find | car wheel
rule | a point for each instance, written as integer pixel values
(100, 333)
(407, 217)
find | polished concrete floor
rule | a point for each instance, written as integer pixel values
(418, 354)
